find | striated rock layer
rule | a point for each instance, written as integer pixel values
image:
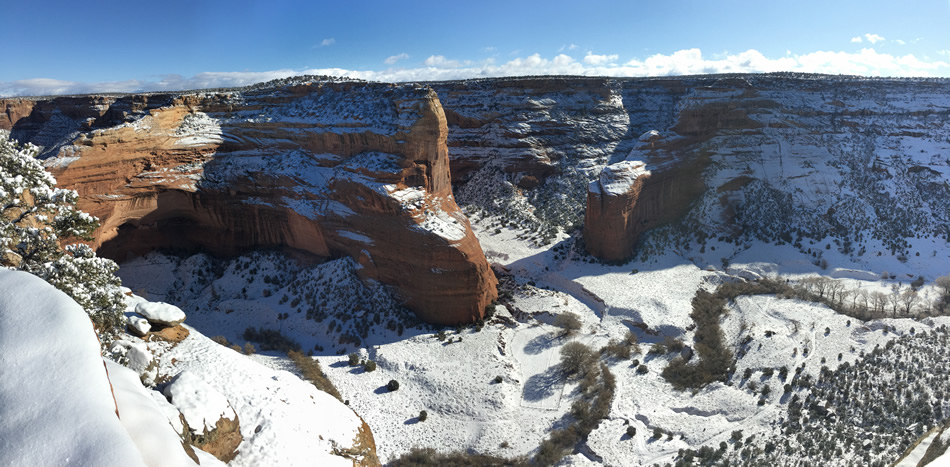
(609, 223)
(788, 158)
(328, 168)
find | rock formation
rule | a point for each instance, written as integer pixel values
(281, 165)
(753, 156)
(610, 230)
(210, 423)
(327, 168)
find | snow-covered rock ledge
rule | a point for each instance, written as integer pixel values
(56, 402)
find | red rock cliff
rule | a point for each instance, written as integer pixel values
(327, 168)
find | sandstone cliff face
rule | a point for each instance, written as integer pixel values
(609, 225)
(331, 169)
(742, 156)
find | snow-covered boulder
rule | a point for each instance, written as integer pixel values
(160, 313)
(214, 426)
(139, 326)
(56, 403)
(650, 136)
(137, 357)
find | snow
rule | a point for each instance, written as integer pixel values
(284, 420)
(198, 129)
(137, 353)
(56, 405)
(140, 325)
(454, 382)
(452, 228)
(200, 404)
(160, 312)
(145, 421)
(651, 135)
(355, 236)
(617, 179)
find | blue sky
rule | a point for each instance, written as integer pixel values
(70, 46)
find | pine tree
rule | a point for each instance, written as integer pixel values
(35, 218)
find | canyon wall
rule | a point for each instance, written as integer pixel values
(328, 168)
(367, 170)
(781, 157)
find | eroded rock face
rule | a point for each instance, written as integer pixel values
(330, 169)
(610, 230)
(742, 156)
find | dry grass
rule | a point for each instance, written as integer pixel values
(310, 370)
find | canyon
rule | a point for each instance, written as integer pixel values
(329, 169)
(344, 168)
(614, 200)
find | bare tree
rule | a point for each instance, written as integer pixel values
(894, 299)
(878, 304)
(843, 295)
(943, 302)
(909, 299)
(835, 290)
(577, 358)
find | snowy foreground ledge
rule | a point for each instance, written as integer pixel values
(56, 403)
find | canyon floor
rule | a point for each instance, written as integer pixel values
(454, 379)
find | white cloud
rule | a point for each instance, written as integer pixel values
(900, 42)
(594, 59)
(866, 62)
(327, 41)
(395, 58)
(567, 47)
(873, 38)
(439, 61)
(857, 39)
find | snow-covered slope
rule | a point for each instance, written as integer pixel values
(284, 420)
(454, 379)
(56, 403)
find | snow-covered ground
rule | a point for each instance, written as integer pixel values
(56, 404)
(454, 380)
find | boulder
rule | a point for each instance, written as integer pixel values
(160, 313)
(138, 326)
(171, 334)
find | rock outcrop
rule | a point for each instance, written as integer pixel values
(327, 168)
(209, 421)
(160, 313)
(610, 229)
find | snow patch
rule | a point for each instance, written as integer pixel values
(145, 420)
(199, 403)
(617, 179)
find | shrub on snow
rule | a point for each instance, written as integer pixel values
(34, 217)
